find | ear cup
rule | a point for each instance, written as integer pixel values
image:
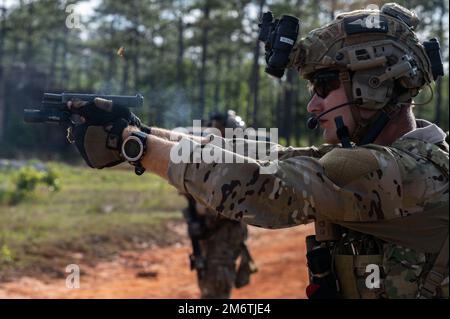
(374, 95)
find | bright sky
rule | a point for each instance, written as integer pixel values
(86, 8)
(83, 7)
(9, 3)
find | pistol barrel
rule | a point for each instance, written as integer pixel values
(42, 116)
(54, 106)
(119, 100)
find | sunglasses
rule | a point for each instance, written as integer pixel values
(324, 82)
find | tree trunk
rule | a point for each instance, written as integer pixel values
(110, 72)
(217, 83)
(288, 104)
(249, 108)
(2, 91)
(237, 91)
(77, 75)
(298, 119)
(202, 80)
(29, 51)
(136, 46)
(64, 70)
(2, 32)
(227, 89)
(124, 88)
(51, 77)
(255, 73)
(438, 101)
(2, 104)
(136, 68)
(279, 113)
(180, 53)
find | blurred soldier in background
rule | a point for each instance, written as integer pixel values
(217, 242)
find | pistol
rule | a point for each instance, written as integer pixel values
(54, 108)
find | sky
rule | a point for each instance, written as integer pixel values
(84, 7)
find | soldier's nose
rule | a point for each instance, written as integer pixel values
(315, 105)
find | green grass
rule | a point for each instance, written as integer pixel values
(95, 214)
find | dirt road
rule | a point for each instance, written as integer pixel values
(163, 272)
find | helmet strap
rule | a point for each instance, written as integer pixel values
(380, 121)
(362, 125)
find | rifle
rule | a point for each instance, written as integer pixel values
(54, 106)
(196, 231)
(246, 268)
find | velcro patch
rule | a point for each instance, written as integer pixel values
(343, 166)
(366, 23)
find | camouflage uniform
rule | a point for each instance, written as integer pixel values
(362, 188)
(373, 205)
(221, 243)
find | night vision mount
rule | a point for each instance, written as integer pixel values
(279, 37)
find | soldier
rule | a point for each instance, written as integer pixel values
(378, 191)
(217, 242)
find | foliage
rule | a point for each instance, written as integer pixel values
(94, 216)
(24, 182)
(5, 255)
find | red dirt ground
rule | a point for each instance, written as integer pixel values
(279, 255)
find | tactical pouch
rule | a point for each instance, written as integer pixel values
(322, 279)
(352, 272)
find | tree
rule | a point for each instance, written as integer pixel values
(254, 80)
(440, 36)
(3, 34)
(205, 25)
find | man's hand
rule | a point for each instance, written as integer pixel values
(99, 137)
(101, 111)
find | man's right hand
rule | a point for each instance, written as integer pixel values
(101, 111)
(99, 137)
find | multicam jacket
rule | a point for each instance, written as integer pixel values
(360, 188)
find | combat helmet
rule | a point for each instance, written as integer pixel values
(380, 61)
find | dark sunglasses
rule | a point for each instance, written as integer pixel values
(324, 82)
